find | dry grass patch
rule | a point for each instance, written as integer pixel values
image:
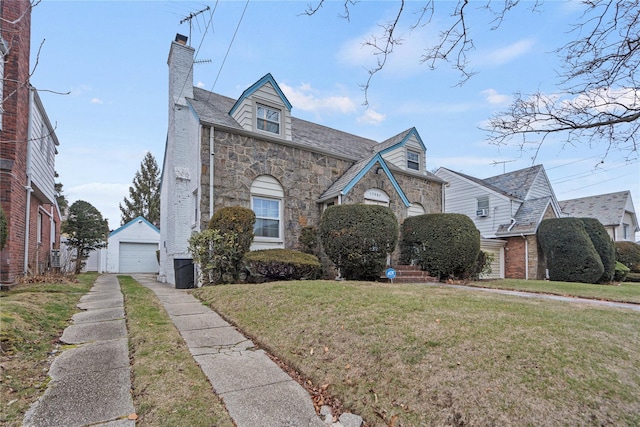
(170, 389)
(412, 355)
(32, 318)
(619, 292)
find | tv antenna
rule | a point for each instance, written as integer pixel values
(190, 18)
(504, 162)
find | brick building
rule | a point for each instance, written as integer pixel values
(27, 154)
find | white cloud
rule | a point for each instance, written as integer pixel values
(96, 101)
(510, 52)
(493, 97)
(306, 98)
(371, 117)
(200, 85)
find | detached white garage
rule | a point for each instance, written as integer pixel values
(132, 248)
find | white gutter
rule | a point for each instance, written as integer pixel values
(211, 162)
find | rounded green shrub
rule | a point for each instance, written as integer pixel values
(628, 253)
(444, 244)
(357, 239)
(237, 219)
(603, 245)
(282, 264)
(569, 251)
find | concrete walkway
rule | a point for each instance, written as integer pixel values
(90, 383)
(255, 391)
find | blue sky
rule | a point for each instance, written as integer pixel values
(111, 56)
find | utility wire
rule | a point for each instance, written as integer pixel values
(229, 48)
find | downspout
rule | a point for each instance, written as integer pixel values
(211, 162)
(443, 198)
(28, 189)
(513, 222)
(526, 256)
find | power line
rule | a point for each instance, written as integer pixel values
(230, 44)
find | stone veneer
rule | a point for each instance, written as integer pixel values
(304, 176)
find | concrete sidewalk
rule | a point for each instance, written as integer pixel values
(90, 383)
(255, 391)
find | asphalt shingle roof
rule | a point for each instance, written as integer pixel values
(607, 208)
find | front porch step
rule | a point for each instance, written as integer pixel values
(409, 274)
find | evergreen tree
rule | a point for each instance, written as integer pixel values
(85, 230)
(144, 194)
(61, 199)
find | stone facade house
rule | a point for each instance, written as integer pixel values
(252, 152)
(27, 155)
(614, 210)
(507, 209)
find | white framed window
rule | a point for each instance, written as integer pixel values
(267, 217)
(482, 206)
(267, 202)
(625, 231)
(268, 119)
(413, 160)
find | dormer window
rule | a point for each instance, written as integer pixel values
(268, 119)
(413, 160)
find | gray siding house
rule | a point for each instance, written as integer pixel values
(252, 152)
(507, 209)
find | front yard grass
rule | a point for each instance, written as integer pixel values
(622, 292)
(169, 388)
(414, 355)
(32, 318)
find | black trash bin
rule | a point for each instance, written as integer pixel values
(183, 268)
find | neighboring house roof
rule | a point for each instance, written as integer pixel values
(528, 217)
(134, 221)
(515, 184)
(609, 209)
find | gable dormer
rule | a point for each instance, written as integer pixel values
(264, 109)
(405, 151)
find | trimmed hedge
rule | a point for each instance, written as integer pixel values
(357, 239)
(237, 219)
(628, 253)
(282, 264)
(569, 251)
(603, 245)
(444, 244)
(238, 222)
(621, 272)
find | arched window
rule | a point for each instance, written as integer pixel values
(415, 209)
(375, 196)
(266, 202)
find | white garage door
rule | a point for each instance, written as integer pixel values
(138, 258)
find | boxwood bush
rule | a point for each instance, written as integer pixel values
(282, 264)
(628, 253)
(444, 244)
(603, 245)
(569, 251)
(357, 239)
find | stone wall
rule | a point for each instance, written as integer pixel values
(304, 176)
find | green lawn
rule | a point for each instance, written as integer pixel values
(623, 292)
(32, 318)
(421, 355)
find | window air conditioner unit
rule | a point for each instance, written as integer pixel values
(482, 212)
(55, 258)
